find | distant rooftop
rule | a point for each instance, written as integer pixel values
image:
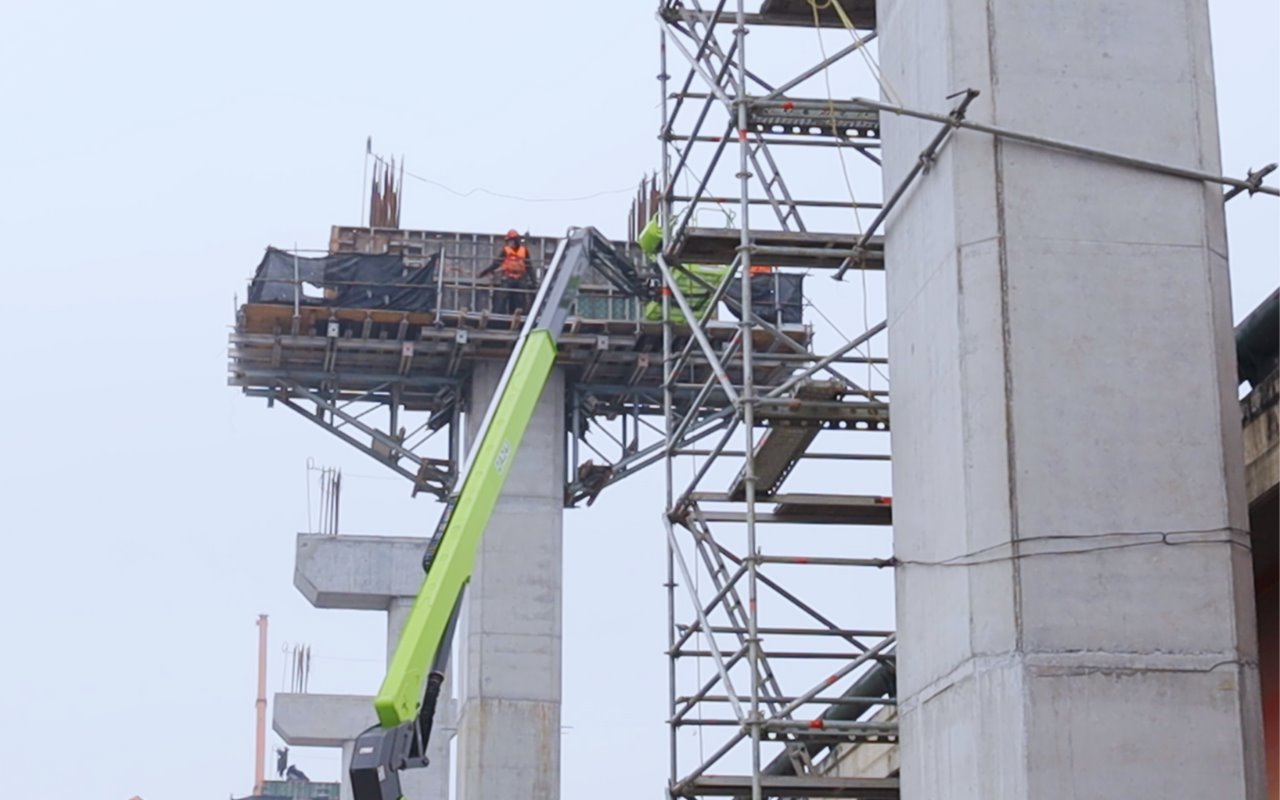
(293, 790)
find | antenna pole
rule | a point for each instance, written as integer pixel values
(260, 743)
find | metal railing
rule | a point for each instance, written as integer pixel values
(456, 287)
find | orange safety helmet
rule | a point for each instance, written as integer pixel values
(513, 234)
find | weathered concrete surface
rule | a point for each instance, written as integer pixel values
(320, 720)
(1064, 385)
(509, 729)
(357, 572)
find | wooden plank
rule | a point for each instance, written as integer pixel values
(800, 13)
(821, 250)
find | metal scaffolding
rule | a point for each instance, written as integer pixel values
(769, 671)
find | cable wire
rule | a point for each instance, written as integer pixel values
(1164, 538)
(504, 196)
(844, 167)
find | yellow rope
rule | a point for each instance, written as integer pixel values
(844, 169)
(876, 72)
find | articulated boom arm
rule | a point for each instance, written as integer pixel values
(404, 709)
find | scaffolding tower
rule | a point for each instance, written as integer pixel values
(772, 678)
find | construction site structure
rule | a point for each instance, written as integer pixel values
(989, 673)
(771, 425)
(1074, 577)
(348, 364)
(771, 665)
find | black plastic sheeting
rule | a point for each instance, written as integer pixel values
(776, 297)
(346, 280)
(1258, 341)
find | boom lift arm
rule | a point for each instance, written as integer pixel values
(399, 740)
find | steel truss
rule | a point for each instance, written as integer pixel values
(768, 681)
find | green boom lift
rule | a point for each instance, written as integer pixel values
(404, 708)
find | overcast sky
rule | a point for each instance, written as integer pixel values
(149, 151)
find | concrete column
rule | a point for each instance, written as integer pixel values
(1063, 394)
(373, 573)
(432, 782)
(397, 613)
(509, 634)
(348, 750)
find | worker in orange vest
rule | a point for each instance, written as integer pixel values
(515, 284)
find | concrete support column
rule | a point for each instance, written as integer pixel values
(509, 635)
(433, 781)
(1074, 603)
(348, 750)
(397, 613)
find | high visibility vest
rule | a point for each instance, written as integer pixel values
(756, 269)
(515, 261)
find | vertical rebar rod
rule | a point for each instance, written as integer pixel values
(297, 286)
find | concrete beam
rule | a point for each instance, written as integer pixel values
(320, 720)
(362, 573)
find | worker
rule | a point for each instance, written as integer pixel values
(514, 281)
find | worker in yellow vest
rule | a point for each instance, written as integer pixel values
(514, 289)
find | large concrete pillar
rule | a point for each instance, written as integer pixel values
(1074, 604)
(509, 730)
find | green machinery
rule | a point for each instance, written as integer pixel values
(404, 708)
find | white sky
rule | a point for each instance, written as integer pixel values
(148, 152)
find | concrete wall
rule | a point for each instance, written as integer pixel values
(1063, 380)
(509, 730)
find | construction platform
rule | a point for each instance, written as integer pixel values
(399, 319)
(348, 352)
(793, 248)
(792, 13)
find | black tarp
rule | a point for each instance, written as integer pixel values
(345, 280)
(775, 297)
(1258, 341)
